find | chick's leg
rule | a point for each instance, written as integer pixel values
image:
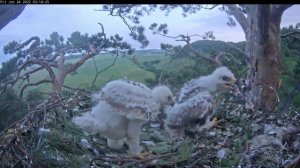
(133, 140)
(209, 124)
(115, 144)
(175, 134)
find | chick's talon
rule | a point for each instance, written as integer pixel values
(216, 122)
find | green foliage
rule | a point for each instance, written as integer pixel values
(290, 51)
(79, 40)
(60, 149)
(8, 68)
(184, 150)
(296, 102)
(59, 141)
(131, 14)
(231, 161)
(55, 40)
(11, 109)
(9, 48)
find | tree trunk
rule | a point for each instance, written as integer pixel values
(263, 47)
(62, 74)
(58, 84)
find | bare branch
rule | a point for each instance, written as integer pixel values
(139, 162)
(126, 23)
(290, 34)
(45, 105)
(28, 62)
(119, 14)
(32, 71)
(132, 162)
(239, 16)
(187, 39)
(33, 84)
(96, 68)
(97, 73)
(24, 79)
(87, 56)
(45, 65)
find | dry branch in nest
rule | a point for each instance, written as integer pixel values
(17, 141)
(24, 143)
(127, 162)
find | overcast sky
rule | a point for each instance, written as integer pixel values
(42, 20)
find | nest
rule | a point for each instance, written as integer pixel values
(45, 137)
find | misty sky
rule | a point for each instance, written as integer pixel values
(42, 20)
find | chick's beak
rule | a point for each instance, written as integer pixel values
(233, 80)
(229, 83)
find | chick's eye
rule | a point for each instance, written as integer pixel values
(169, 97)
(225, 78)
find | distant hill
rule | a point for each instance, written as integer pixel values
(203, 46)
(152, 51)
(136, 52)
(208, 46)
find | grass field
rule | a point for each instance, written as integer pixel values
(84, 75)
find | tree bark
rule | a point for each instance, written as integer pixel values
(9, 13)
(263, 48)
(59, 81)
(61, 76)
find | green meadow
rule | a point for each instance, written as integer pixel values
(123, 67)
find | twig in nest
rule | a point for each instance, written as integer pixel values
(149, 159)
(110, 158)
(132, 161)
(76, 89)
(243, 155)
